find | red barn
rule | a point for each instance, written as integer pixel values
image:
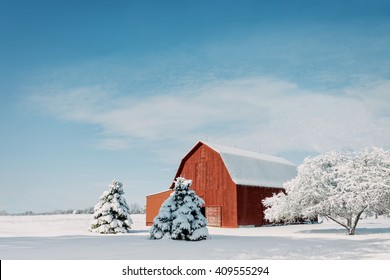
(231, 181)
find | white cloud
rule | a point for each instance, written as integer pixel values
(251, 113)
(113, 144)
(76, 104)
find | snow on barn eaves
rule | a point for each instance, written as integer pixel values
(254, 169)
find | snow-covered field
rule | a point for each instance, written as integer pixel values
(65, 237)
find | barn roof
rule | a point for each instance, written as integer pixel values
(254, 169)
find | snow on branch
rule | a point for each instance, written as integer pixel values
(338, 185)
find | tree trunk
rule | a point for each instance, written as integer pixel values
(350, 224)
(352, 229)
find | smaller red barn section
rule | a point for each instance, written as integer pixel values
(231, 181)
(153, 204)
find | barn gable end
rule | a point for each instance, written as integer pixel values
(212, 182)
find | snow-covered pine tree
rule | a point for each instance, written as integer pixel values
(112, 214)
(162, 223)
(180, 215)
(188, 221)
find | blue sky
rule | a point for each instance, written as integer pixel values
(96, 90)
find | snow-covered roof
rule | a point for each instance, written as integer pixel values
(254, 169)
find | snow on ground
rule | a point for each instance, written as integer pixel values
(64, 237)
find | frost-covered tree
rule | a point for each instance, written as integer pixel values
(280, 208)
(112, 214)
(135, 208)
(180, 215)
(338, 186)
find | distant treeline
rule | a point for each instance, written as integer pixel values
(135, 209)
(88, 210)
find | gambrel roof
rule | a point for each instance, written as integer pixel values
(248, 168)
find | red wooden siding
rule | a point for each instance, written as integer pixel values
(211, 181)
(153, 204)
(250, 208)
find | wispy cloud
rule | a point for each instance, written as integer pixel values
(274, 114)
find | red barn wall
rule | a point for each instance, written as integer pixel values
(153, 204)
(250, 209)
(212, 182)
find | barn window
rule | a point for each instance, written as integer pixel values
(203, 153)
(200, 174)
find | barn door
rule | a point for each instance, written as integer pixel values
(214, 216)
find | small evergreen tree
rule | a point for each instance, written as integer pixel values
(112, 214)
(180, 216)
(162, 223)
